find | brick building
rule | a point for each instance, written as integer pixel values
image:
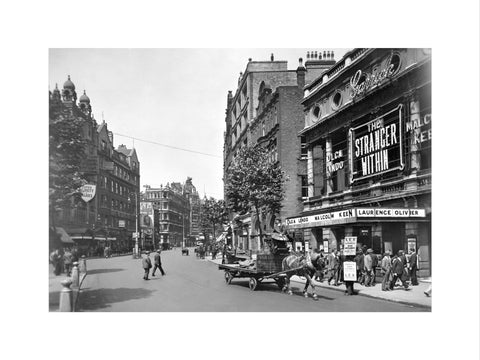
(109, 217)
(368, 141)
(265, 111)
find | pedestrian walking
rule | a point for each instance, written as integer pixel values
(386, 266)
(406, 273)
(334, 267)
(319, 273)
(413, 267)
(67, 261)
(368, 266)
(56, 259)
(157, 261)
(374, 268)
(360, 261)
(397, 271)
(147, 265)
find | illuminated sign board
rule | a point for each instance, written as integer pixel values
(376, 146)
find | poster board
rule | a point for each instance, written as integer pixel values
(350, 245)
(350, 271)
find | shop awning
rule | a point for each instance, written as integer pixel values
(100, 238)
(64, 237)
(111, 238)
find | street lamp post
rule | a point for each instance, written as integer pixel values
(183, 229)
(135, 250)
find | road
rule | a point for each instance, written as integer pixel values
(190, 284)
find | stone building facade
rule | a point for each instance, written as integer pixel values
(109, 218)
(368, 141)
(173, 204)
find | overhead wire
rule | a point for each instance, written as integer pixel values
(168, 146)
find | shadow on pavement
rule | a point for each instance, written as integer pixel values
(102, 271)
(102, 298)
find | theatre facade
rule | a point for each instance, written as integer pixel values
(368, 137)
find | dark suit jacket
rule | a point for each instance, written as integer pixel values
(397, 266)
(156, 259)
(147, 263)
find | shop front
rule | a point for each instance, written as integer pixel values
(378, 228)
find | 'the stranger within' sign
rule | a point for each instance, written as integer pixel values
(376, 146)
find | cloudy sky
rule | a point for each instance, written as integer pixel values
(172, 97)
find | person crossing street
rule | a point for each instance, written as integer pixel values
(157, 261)
(147, 265)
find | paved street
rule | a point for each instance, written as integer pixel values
(191, 284)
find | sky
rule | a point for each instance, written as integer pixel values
(168, 96)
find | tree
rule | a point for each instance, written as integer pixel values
(254, 183)
(213, 212)
(66, 151)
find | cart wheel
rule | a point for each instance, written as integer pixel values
(252, 284)
(228, 277)
(280, 282)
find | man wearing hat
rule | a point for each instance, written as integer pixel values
(147, 265)
(397, 270)
(386, 266)
(157, 261)
(368, 263)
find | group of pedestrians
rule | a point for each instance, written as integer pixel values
(393, 269)
(399, 268)
(62, 260)
(147, 264)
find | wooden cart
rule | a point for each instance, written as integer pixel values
(255, 276)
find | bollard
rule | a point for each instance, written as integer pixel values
(83, 265)
(66, 296)
(75, 276)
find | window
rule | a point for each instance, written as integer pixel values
(304, 185)
(303, 148)
(337, 100)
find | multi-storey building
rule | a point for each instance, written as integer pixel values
(195, 207)
(368, 142)
(109, 218)
(173, 208)
(266, 111)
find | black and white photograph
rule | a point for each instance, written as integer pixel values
(275, 188)
(222, 180)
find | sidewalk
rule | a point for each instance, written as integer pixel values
(55, 286)
(413, 296)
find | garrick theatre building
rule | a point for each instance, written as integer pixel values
(368, 136)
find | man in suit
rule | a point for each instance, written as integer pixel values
(157, 261)
(368, 263)
(397, 271)
(147, 265)
(413, 267)
(334, 267)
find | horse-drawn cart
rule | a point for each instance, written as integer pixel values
(267, 265)
(255, 276)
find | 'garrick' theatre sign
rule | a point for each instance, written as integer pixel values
(376, 146)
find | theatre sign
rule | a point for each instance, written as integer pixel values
(376, 146)
(353, 215)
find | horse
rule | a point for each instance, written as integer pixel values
(304, 266)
